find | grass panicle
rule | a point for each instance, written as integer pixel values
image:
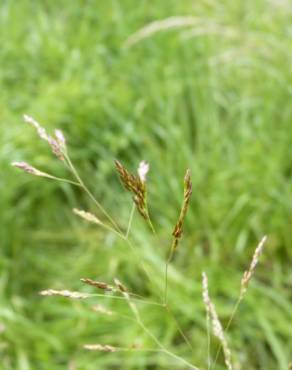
(57, 142)
(136, 184)
(249, 273)
(64, 293)
(25, 167)
(87, 216)
(178, 229)
(98, 284)
(216, 324)
(100, 347)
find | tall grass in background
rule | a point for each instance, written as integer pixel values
(214, 97)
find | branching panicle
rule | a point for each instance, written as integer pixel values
(57, 142)
(136, 184)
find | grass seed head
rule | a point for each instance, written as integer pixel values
(98, 284)
(136, 185)
(57, 142)
(87, 216)
(100, 347)
(29, 169)
(178, 229)
(216, 324)
(64, 293)
(249, 273)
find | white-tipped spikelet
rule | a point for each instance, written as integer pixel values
(216, 324)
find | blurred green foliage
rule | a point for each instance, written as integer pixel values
(213, 97)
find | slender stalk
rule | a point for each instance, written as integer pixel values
(130, 221)
(91, 196)
(60, 179)
(152, 303)
(165, 350)
(169, 259)
(151, 225)
(179, 328)
(155, 339)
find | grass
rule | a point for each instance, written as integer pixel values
(215, 103)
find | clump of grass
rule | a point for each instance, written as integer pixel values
(136, 184)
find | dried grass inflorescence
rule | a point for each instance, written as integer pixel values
(249, 273)
(29, 169)
(98, 284)
(64, 293)
(100, 347)
(87, 216)
(178, 229)
(57, 142)
(216, 324)
(136, 184)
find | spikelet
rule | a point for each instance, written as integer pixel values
(120, 286)
(125, 293)
(178, 229)
(64, 293)
(216, 324)
(31, 170)
(57, 142)
(136, 185)
(143, 169)
(87, 216)
(249, 273)
(100, 347)
(98, 284)
(101, 309)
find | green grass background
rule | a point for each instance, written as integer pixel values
(217, 102)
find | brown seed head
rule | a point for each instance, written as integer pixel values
(136, 185)
(178, 229)
(98, 284)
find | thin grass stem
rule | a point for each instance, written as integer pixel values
(91, 196)
(130, 220)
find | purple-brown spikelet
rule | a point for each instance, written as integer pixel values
(29, 169)
(136, 185)
(98, 284)
(57, 142)
(178, 229)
